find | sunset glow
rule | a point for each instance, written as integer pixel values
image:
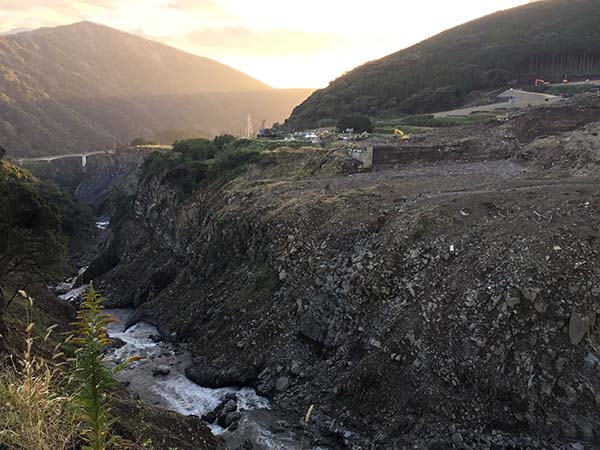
(278, 42)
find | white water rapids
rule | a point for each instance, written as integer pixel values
(174, 391)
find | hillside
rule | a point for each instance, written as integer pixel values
(36, 223)
(87, 86)
(545, 39)
(447, 299)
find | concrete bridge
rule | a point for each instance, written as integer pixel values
(51, 158)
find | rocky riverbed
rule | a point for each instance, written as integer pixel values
(244, 419)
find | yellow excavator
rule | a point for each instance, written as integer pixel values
(401, 134)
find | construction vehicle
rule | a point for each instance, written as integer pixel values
(540, 82)
(401, 134)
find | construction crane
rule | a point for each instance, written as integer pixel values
(249, 127)
(401, 134)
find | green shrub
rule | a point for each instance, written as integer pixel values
(156, 163)
(233, 159)
(223, 140)
(76, 218)
(194, 161)
(424, 223)
(195, 149)
(262, 284)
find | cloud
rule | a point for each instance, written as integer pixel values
(266, 42)
(304, 46)
(41, 13)
(193, 5)
(58, 5)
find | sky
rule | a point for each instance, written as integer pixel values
(304, 43)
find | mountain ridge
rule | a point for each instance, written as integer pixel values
(86, 86)
(84, 36)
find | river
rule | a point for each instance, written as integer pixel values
(159, 380)
(174, 391)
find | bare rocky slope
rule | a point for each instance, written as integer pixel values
(447, 302)
(85, 87)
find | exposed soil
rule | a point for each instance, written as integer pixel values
(515, 99)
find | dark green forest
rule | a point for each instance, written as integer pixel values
(547, 39)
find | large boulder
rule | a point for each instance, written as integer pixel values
(214, 378)
(323, 320)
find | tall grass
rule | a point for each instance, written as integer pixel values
(48, 403)
(36, 413)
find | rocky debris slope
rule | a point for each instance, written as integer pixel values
(576, 152)
(163, 430)
(424, 306)
(501, 138)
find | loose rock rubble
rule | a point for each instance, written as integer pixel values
(440, 304)
(226, 414)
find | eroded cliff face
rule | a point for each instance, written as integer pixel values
(422, 303)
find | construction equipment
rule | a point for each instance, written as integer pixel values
(540, 82)
(401, 134)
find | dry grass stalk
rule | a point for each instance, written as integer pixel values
(36, 412)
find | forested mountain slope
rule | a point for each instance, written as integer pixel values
(546, 39)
